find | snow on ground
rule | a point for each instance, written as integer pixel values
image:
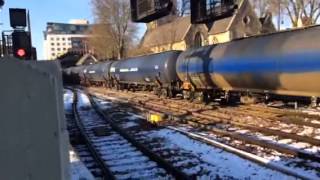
(129, 124)
(78, 170)
(103, 104)
(224, 163)
(278, 159)
(311, 111)
(83, 100)
(133, 117)
(68, 98)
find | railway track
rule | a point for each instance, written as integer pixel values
(200, 168)
(115, 154)
(231, 127)
(76, 138)
(188, 165)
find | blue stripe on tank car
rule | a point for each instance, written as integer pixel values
(293, 63)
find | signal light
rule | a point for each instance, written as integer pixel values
(149, 10)
(208, 11)
(21, 45)
(21, 52)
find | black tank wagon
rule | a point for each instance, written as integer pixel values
(98, 74)
(285, 63)
(72, 75)
(153, 72)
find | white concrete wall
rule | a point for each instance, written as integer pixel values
(33, 135)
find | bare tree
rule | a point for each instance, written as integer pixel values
(139, 51)
(296, 10)
(183, 7)
(114, 26)
(262, 7)
(310, 12)
(101, 42)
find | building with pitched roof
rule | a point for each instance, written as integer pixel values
(179, 34)
(176, 35)
(243, 23)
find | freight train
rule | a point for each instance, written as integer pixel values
(285, 64)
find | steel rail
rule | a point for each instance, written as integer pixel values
(153, 156)
(107, 175)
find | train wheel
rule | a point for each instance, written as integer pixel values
(314, 102)
(144, 88)
(202, 97)
(170, 92)
(192, 96)
(157, 91)
(248, 100)
(186, 94)
(164, 93)
(118, 87)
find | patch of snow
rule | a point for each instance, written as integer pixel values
(281, 160)
(134, 116)
(83, 100)
(129, 124)
(77, 169)
(312, 112)
(300, 145)
(285, 141)
(315, 122)
(68, 99)
(224, 163)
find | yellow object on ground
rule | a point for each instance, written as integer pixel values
(155, 118)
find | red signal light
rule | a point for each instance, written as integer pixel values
(21, 52)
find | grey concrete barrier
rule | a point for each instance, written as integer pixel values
(33, 135)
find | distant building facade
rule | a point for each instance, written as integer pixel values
(243, 23)
(179, 34)
(176, 35)
(59, 38)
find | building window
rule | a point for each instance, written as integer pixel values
(58, 49)
(58, 44)
(64, 49)
(52, 44)
(52, 39)
(63, 39)
(246, 20)
(53, 54)
(52, 49)
(69, 39)
(58, 39)
(63, 44)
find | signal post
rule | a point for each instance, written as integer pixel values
(21, 39)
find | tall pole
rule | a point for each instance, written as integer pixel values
(279, 15)
(29, 26)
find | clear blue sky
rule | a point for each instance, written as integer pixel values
(43, 11)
